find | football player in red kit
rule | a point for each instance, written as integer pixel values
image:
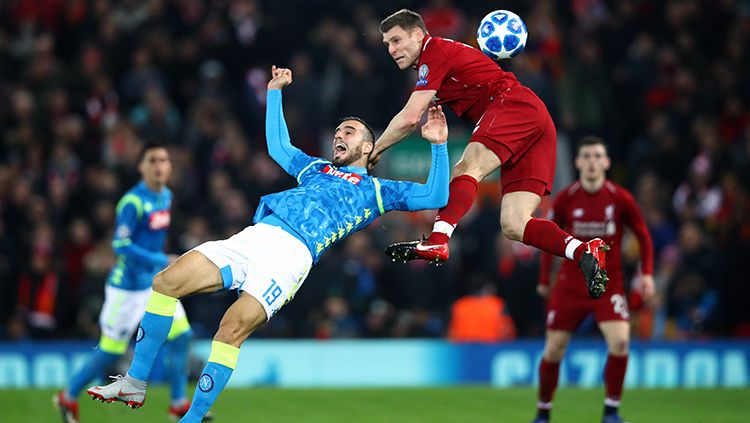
(513, 131)
(592, 207)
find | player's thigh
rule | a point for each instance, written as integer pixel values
(477, 161)
(613, 318)
(241, 319)
(192, 273)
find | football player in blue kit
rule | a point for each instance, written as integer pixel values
(268, 261)
(141, 225)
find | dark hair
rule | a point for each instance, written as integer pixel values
(590, 140)
(150, 145)
(404, 18)
(370, 135)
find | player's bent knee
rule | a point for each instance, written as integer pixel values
(165, 283)
(619, 347)
(554, 352)
(512, 226)
(239, 322)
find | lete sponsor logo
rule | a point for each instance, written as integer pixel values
(159, 220)
(347, 176)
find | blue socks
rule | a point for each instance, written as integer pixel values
(221, 363)
(175, 353)
(94, 367)
(152, 333)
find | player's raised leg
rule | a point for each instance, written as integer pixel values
(518, 225)
(617, 335)
(476, 163)
(556, 342)
(244, 316)
(191, 274)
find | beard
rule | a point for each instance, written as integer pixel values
(351, 157)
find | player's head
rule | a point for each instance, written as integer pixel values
(353, 142)
(154, 165)
(403, 33)
(592, 160)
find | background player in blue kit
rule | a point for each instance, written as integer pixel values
(268, 262)
(142, 222)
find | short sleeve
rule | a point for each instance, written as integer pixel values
(433, 69)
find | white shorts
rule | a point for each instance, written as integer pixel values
(123, 311)
(263, 260)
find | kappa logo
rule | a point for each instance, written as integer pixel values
(347, 176)
(205, 383)
(159, 220)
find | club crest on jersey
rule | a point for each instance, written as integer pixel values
(423, 71)
(347, 176)
(123, 231)
(609, 212)
(159, 220)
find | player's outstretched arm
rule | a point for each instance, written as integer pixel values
(433, 194)
(403, 124)
(279, 143)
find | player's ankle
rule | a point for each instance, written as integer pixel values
(578, 253)
(136, 383)
(438, 238)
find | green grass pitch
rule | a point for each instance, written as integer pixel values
(429, 405)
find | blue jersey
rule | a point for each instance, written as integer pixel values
(331, 202)
(141, 227)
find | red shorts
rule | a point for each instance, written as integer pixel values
(518, 128)
(566, 309)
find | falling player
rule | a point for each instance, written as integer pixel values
(267, 262)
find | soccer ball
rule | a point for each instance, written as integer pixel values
(501, 35)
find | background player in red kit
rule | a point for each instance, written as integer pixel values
(513, 129)
(592, 207)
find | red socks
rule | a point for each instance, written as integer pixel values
(548, 237)
(614, 377)
(548, 376)
(463, 191)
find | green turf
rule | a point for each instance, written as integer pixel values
(463, 404)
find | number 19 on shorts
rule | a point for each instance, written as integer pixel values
(272, 293)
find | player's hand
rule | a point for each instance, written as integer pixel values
(647, 287)
(436, 128)
(280, 78)
(543, 290)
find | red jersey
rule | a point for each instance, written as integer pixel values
(601, 214)
(463, 76)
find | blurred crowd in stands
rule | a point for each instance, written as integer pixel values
(84, 83)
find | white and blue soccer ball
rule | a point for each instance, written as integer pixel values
(502, 35)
